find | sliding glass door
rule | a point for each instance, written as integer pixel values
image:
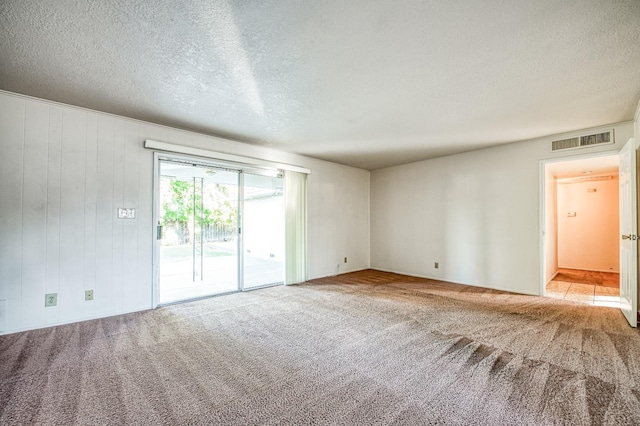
(263, 231)
(198, 219)
(219, 230)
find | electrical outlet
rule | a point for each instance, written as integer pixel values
(436, 265)
(88, 295)
(345, 259)
(50, 299)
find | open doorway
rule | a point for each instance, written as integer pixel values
(581, 238)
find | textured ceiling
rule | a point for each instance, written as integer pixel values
(364, 83)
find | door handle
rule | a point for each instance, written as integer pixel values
(159, 232)
(629, 237)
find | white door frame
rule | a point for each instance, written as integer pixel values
(542, 170)
(156, 244)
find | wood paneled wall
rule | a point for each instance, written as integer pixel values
(64, 171)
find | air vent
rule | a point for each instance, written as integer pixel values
(596, 139)
(583, 141)
(565, 144)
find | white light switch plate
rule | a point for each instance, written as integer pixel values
(124, 213)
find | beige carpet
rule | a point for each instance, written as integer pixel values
(361, 348)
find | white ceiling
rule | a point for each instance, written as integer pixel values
(365, 83)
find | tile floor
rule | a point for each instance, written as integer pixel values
(593, 288)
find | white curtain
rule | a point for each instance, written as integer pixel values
(295, 199)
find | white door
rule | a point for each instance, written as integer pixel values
(628, 231)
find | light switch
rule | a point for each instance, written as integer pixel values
(571, 214)
(125, 213)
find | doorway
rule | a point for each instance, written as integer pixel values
(219, 229)
(581, 232)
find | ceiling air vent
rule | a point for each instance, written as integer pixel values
(583, 141)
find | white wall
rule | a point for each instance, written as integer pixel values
(589, 240)
(551, 226)
(63, 173)
(476, 213)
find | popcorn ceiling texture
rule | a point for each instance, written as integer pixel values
(369, 84)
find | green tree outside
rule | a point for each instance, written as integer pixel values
(178, 205)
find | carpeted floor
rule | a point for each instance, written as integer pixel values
(361, 348)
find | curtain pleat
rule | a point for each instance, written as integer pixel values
(295, 198)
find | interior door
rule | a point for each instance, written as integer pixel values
(628, 230)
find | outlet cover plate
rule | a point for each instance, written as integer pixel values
(88, 295)
(50, 299)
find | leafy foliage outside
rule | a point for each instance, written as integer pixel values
(178, 207)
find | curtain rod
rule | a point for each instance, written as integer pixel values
(180, 149)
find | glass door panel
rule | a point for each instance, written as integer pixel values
(198, 211)
(263, 231)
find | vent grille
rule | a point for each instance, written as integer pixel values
(565, 144)
(595, 139)
(583, 141)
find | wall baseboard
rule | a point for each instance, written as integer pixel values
(76, 320)
(552, 278)
(590, 270)
(453, 282)
(354, 270)
(339, 273)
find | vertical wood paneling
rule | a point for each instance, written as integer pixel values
(12, 116)
(34, 213)
(90, 210)
(54, 166)
(130, 200)
(104, 290)
(72, 184)
(78, 169)
(146, 227)
(117, 285)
